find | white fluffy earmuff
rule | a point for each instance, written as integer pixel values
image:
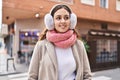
(73, 21)
(49, 22)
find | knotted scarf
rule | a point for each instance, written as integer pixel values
(62, 40)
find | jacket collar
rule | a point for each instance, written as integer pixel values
(51, 52)
(76, 54)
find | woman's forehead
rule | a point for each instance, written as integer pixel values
(61, 12)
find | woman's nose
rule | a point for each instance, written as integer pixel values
(62, 20)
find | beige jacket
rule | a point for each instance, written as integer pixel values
(44, 66)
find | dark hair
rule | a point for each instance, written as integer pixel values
(60, 7)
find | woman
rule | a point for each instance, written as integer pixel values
(59, 55)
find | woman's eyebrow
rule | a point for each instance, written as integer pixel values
(66, 15)
(61, 15)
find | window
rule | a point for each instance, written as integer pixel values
(106, 51)
(4, 29)
(89, 2)
(118, 5)
(28, 40)
(104, 3)
(104, 26)
(2, 45)
(66, 1)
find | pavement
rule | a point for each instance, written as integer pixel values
(6, 69)
(111, 74)
(20, 68)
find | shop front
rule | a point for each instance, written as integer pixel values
(27, 43)
(104, 49)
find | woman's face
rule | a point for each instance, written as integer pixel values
(62, 20)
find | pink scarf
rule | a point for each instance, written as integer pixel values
(62, 40)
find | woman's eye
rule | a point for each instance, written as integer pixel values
(66, 17)
(58, 18)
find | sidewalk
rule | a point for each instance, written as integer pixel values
(20, 68)
(19, 74)
(111, 74)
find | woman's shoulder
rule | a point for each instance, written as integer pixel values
(41, 42)
(79, 41)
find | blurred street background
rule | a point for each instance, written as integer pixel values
(22, 21)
